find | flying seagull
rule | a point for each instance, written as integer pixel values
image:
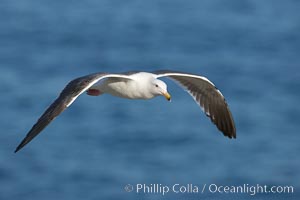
(140, 85)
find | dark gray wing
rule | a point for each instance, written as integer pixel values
(64, 100)
(207, 96)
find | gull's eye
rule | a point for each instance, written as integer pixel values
(156, 85)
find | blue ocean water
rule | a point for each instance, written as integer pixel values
(249, 49)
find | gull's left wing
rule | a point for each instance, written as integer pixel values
(207, 96)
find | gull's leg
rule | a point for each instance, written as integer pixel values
(93, 92)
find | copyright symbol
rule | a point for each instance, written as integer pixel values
(128, 188)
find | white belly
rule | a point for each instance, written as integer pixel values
(124, 89)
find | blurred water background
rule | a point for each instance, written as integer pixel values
(249, 49)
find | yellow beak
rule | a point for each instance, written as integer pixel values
(167, 96)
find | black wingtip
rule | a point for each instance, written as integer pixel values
(17, 149)
(231, 136)
(234, 136)
(21, 145)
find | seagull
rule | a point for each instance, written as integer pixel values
(140, 85)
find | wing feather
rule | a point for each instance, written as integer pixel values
(207, 96)
(68, 95)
